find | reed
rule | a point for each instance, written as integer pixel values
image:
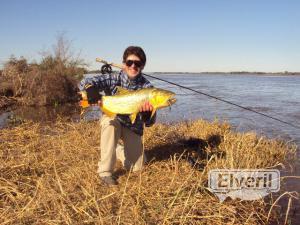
(48, 176)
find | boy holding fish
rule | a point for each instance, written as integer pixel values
(129, 129)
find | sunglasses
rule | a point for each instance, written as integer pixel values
(137, 63)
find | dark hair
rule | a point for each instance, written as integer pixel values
(137, 51)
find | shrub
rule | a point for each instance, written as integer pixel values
(53, 80)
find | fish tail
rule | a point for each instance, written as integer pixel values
(84, 103)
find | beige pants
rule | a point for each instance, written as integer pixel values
(130, 154)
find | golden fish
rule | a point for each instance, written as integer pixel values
(129, 102)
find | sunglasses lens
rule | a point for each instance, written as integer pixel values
(135, 62)
(129, 63)
(138, 63)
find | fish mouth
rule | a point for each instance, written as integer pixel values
(171, 101)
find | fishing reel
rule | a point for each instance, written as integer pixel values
(106, 69)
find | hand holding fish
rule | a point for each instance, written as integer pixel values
(146, 107)
(99, 103)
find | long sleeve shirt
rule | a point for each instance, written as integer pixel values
(108, 83)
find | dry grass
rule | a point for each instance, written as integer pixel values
(48, 176)
(50, 82)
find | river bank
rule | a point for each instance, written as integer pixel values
(48, 175)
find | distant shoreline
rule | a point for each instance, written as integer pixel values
(235, 73)
(224, 73)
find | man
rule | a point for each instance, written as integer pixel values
(131, 154)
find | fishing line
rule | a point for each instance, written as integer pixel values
(202, 93)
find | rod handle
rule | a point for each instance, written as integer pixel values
(112, 64)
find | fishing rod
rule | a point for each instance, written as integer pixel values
(107, 68)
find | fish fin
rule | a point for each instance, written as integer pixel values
(84, 103)
(121, 90)
(153, 112)
(132, 117)
(107, 112)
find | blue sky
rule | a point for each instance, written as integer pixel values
(193, 36)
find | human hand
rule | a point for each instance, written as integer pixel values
(146, 107)
(97, 104)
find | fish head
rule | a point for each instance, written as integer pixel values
(162, 98)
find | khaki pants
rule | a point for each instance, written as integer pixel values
(130, 154)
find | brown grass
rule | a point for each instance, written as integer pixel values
(49, 82)
(48, 176)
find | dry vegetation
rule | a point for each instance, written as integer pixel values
(52, 81)
(48, 176)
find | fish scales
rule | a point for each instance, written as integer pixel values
(129, 102)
